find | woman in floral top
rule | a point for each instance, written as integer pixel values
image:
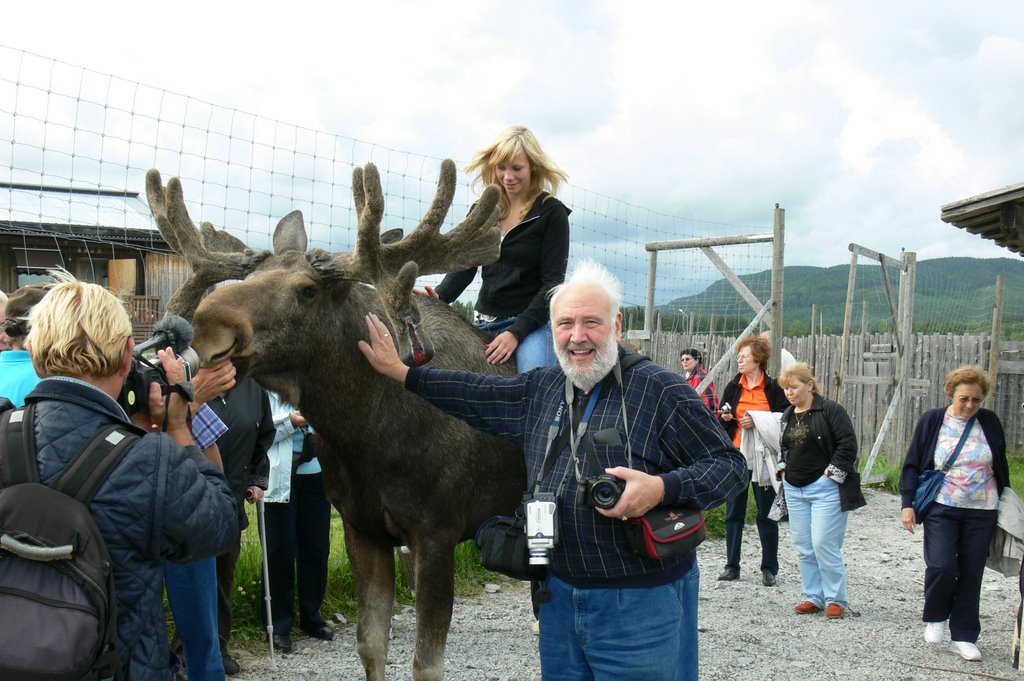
(958, 526)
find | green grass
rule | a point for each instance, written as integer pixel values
(891, 471)
(248, 601)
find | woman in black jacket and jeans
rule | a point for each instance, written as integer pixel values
(752, 389)
(513, 302)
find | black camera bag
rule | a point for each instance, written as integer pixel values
(666, 532)
(502, 543)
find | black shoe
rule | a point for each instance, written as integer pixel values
(767, 577)
(321, 631)
(729, 574)
(230, 666)
(283, 643)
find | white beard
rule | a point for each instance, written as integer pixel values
(604, 359)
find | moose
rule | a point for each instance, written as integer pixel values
(398, 470)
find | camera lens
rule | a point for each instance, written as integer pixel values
(606, 493)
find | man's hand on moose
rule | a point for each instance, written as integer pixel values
(380, 352)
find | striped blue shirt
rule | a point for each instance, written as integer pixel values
(672, 433)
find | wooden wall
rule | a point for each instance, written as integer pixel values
(933, 355)
(165, 273)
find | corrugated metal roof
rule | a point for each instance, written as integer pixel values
(27, 204)
(997, 215)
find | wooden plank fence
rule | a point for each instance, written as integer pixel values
(933, 356)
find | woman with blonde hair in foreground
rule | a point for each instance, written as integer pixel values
(821, 483)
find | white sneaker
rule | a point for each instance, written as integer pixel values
(966, 650)
(934, 631)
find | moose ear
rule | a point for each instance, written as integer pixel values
(392, 236)
(290, 234)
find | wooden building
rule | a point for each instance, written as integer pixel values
(101, 236)
(997, 215)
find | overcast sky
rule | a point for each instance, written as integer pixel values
(860, 118)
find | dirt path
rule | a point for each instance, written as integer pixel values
(748, 632)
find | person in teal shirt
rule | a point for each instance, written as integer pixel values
(17, 375)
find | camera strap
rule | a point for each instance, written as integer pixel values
(559, 437)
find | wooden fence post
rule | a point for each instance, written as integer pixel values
(996, 344)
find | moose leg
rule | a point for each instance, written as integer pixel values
(435, 577)
(373, 566)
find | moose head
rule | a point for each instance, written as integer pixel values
(388, 261)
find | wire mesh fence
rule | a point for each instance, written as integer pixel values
(75, 146)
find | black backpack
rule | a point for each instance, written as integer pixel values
(56, 576)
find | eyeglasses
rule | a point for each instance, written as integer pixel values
(969, 400)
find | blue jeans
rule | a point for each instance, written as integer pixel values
(192, 594)
(536, 350)
(690, 664)
(617, 634)
(818, 525)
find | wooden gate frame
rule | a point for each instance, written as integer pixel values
(773, 305)
(902, 314)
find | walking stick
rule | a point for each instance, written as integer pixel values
(262, 522)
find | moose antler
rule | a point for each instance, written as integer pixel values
(214, 255)
(475, 241)
(387, 261)
(393, 266)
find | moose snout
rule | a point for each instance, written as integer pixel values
(216, 343)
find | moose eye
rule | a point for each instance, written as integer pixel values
(308, 293)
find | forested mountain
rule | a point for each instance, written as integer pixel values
(953, 295)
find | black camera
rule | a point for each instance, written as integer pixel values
(171, 331)
(600, 491)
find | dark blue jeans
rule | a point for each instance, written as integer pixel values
(618, 634)
(955, 548)
(767, 530)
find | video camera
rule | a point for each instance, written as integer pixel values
(171, 331)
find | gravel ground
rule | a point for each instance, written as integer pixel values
(748, 632)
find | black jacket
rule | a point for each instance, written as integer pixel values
(534, 255)
(836, 442)
(245, 409)
(776, 398)
(162, 502)
(921, 453)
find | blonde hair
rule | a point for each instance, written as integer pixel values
(969, 375)
(544, 174)
(801, 371)
(78, 330)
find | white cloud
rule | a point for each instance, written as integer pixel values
(861, 119)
